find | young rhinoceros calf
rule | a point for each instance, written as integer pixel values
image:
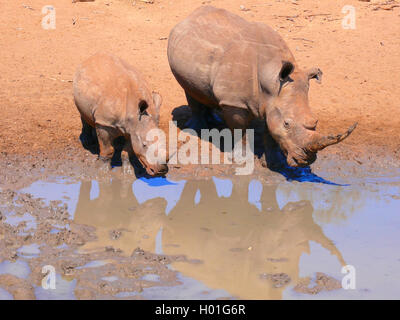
(114, 99)
(245, 70)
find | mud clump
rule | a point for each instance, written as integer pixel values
(323, 282)
(278, 280)
(20, 289)
(115, 234)
(105, 273)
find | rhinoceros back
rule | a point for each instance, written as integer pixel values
(106, 88)
(215, 47)
(198, 44)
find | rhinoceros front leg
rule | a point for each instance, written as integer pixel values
(274, 158)
(106, 136)
(237, 118)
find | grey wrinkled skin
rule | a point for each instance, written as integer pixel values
(245, 70)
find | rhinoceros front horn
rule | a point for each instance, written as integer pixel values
(320, 142)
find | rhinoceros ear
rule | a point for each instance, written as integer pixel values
(286, 70)
(142, 108)
(315, 73)
(157, 100)
(157, 103)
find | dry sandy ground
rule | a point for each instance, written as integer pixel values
(37, 114)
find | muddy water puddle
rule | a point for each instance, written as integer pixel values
(240, 238)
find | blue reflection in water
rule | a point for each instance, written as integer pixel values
(15, 220)
(62, 188)
(224, 187)
(158, 247)
(369, 241)
(254, 194)
(95, 190)
(5, 295)
(64, 290)
(157, 181)
(197, 197)
(19, 268)
(305, 174)
(29, 251)
(188, 289)
(147, 189)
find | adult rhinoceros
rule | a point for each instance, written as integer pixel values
(246, 70)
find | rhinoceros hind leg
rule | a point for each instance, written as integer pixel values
(106, 137)
(88, 136)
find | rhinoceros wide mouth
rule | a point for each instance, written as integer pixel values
(146, 166)
(156, 170)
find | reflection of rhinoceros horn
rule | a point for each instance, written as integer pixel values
(336, 205)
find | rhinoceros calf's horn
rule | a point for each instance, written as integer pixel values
(320, 142)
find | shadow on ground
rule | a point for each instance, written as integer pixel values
(119, 145)
(274, 158)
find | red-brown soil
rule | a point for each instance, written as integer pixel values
(361, 67)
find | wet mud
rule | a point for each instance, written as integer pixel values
(35, 234)
(209, 235)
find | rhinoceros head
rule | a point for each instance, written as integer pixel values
(146, 119)
(289, 118)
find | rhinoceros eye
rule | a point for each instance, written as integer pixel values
(286, 124)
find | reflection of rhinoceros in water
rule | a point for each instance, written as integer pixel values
(116, 208)
(332, 204)
(236, 242)
(139, 214)
(211, 221)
